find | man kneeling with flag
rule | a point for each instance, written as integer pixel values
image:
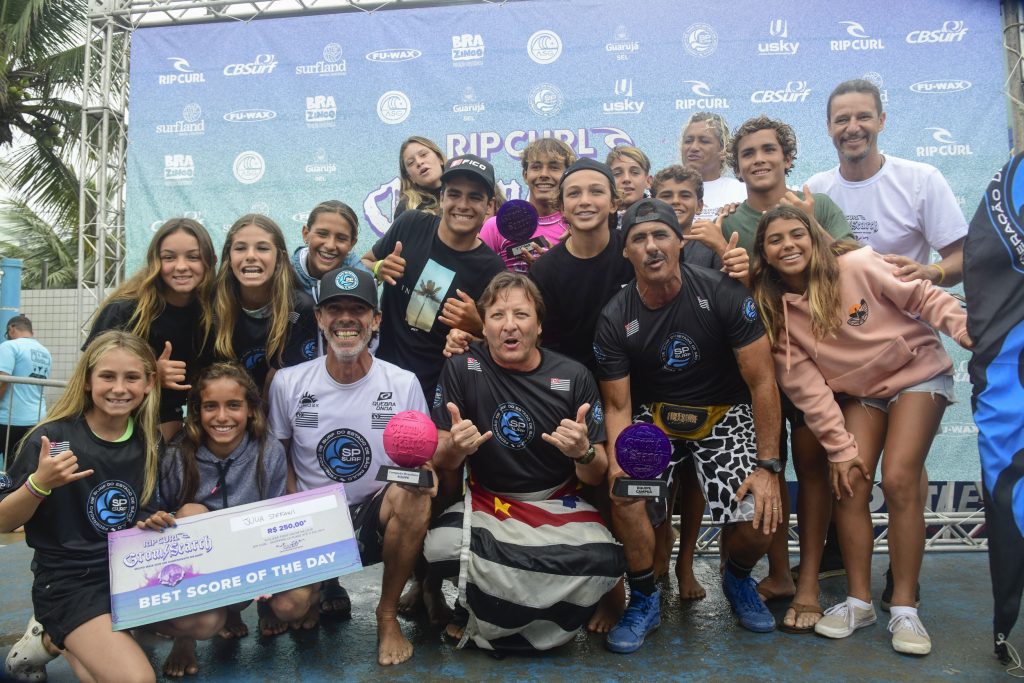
(532, 558)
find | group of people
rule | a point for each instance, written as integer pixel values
(740, 316)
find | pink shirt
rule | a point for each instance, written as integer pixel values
(550, 227)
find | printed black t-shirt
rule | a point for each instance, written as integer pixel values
(683, 351)
(180, 325)
(575, 291)
(411, 337)
(518, 407)
(302, 341)
(70, 527)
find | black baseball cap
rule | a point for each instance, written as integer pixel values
(472, 165)
(586, 164)
(647, 210)
(351, 282)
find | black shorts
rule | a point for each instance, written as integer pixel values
(368, 531)
(64, 599)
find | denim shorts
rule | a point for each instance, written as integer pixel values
(940, 385)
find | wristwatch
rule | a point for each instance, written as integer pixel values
(588, 457)
(773, 465)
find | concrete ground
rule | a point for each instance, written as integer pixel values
(697, 641)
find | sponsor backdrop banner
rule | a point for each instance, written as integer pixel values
(277, 115)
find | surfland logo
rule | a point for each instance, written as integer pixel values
(394, 55)
(779, 44)
(183, 73)
(858, 39)
(261, 65)
(945, 145)
(701, 98)
(250, 115)
(940, 87)
(190, 123)
(332, 63)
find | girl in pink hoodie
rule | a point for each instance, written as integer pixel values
(855, 351)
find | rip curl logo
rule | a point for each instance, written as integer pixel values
(253, 357)
(344, 455)
(346, 280)
(749, 310)
(858, 314)
(512, 426)
(679, 352)
(111, 506)
(437, 396)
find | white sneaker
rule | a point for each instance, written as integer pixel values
(908, 635)
(841, 620)
(28, 658)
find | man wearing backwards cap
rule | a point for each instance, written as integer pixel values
(693, 360)
(340, 403)
(433, 269)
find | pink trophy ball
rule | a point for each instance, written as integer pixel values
(410, 438)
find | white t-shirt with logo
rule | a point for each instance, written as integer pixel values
(907, 208)
(337, 430)
(718, 193)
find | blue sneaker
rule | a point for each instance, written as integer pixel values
(746, 603)
(641, 617)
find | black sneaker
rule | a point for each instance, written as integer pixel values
(887, 592)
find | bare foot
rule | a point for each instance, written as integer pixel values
(411, 602)
(181, 661)
(234, 627)
(664, 538)
(454, 631)
(689, 587)
(609, 609)
(438, 610)
(775, 588)
(802, 617)
(309, 621)
(269, 624)
(392, 646)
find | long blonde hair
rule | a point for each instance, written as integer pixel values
(76, 400)
(412, 194)
(822, 277)
(147, 288)
(228, 294)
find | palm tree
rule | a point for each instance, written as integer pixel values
(41, 74)
(429, 290)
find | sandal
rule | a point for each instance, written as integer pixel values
(330, 592)
(798, 609)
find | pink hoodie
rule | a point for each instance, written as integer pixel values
(880, 349)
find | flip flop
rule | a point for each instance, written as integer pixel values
(798, 609)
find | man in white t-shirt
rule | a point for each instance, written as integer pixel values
(902, 209)
(330, 414)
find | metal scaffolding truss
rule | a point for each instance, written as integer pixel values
(102, 164)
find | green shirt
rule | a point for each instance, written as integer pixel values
(826, 212)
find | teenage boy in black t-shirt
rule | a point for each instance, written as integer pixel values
(434, 268)
(685, 339)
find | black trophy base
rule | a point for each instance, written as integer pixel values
(410, 476)
(640, 488)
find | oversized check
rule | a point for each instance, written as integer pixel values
(228, 556)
